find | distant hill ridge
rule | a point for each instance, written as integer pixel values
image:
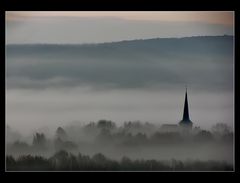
(126, 64)
(126, 41)
(164, 46)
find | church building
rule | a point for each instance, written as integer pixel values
(184, 124)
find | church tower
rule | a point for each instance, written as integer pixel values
(186, 122)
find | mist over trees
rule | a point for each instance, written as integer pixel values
(38, 78)
(73, 78)
(107, 145)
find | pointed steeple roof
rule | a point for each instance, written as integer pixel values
(185, 111)
(186, 119)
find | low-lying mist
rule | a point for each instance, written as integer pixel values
(57, 95)
(135, 140)
(45, 110)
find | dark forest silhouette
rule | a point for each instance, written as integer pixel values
(64, 161)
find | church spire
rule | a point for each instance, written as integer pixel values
(186, 120)
(185, 111)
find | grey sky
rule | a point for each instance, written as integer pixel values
(97, 29)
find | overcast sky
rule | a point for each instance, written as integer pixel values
(96, 27)
(46, 88)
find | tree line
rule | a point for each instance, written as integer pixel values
(65, 161)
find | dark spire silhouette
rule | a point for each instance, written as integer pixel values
(185, 111)
(186, 120)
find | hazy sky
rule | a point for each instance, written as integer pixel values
(225, 18)
(47, 88)
(95, 27)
